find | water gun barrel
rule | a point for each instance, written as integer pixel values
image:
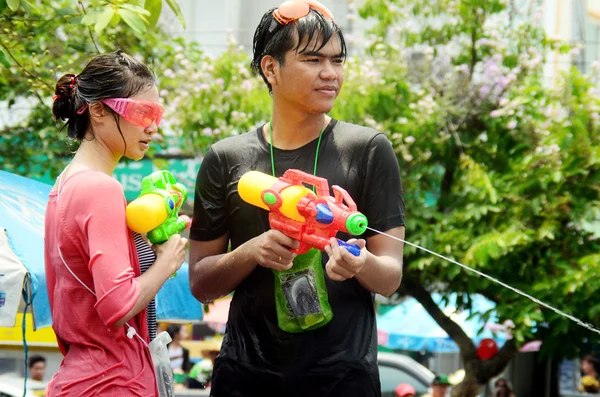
(254, 188)
(146, 213)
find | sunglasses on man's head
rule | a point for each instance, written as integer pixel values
(293, 10)
(141, 113)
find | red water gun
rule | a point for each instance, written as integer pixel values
(311, 219)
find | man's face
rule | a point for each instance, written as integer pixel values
(439, 390)
(38, 370)
(312, 79)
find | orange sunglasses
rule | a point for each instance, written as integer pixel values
(293, 10)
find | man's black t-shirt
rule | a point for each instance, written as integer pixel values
(257, 358)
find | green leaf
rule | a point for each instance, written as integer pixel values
(13, 4)
(2, 5)
(141, 11)
(4, 59)
(90, 18)
(154, 7)
(30, 6)
(133, 20)
(104, 18)
(115, 20)
(177, 11)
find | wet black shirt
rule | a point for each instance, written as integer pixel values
(257, 358)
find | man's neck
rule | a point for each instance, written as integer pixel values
(294, 128)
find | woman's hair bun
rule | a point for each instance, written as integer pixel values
(63, 103)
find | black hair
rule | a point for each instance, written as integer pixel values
(36, 359)
(111, 75)
(274, 39)
(173, 329)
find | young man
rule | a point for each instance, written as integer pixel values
(37, 368)
(299, 51)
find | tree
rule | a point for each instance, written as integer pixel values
(40, 41)
(500, 169)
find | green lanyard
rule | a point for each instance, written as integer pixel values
(316, 154)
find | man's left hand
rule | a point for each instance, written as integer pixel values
(342, 265)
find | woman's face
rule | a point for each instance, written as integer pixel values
(183, 333)
(135, 140)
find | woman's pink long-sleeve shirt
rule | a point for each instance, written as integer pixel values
(89, 224)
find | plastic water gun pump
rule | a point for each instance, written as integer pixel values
(312, 219)
(156, 210)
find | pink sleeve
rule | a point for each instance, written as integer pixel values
(105, 236)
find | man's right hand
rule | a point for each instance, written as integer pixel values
(272, 250)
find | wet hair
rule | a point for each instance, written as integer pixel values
(33, 360)
(111, 75)
(274, 39)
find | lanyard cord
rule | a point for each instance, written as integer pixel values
(316, 153)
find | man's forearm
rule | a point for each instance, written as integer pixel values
(215, 276)
(381, 274)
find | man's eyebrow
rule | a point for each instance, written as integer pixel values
(320, 54)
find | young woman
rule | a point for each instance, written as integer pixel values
(98, 293)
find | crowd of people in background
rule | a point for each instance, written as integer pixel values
(441, 387)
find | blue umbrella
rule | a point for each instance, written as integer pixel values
(408, 326)
(22, 210)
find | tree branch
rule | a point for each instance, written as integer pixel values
(89, 28)
(496, 364)
(26, 71)
(457, 334)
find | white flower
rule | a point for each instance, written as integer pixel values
(512, 124)
(409, 139)
(207, 131)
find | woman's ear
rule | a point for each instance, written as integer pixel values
(270, 67)
(97, 112)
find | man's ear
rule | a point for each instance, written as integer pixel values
(270, 68)
(97, 112)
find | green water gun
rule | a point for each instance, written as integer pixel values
(156, 210)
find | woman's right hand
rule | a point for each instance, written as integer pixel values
(172, 251)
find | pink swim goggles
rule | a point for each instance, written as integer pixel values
(142, 113)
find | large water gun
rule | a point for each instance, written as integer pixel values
(297, 212)
(156, 210)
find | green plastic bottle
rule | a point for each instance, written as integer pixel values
(301, 298)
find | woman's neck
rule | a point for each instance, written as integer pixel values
(94, 155)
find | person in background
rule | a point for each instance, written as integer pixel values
(503, 389)
(37, 368)
(589, 366)
(590, 384)
(405, 390)
(179, 355)
(201, 373)
(439, 386)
